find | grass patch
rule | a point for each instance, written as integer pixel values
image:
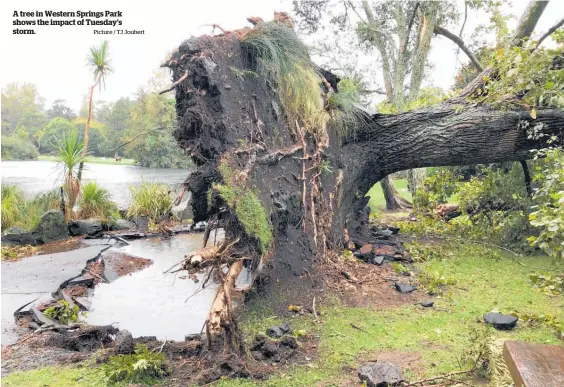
(150, 199)
(440, 335)
(56, 377)
(95, 202)
(17, 210)
(93, 160)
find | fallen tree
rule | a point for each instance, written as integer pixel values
(284, 161)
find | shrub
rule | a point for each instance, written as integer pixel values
(12, 203)
(152, 200)
(19, 211)
(437, 189)
(63, 312)
(143, 366)
(95, 201)
(14, 148)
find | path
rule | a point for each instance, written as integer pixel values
(37, 277)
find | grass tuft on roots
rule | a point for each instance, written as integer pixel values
(282, 56)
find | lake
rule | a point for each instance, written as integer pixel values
(39, 176)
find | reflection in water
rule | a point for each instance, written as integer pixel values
(39, 176)
(150, 303)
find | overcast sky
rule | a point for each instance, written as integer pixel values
(54, 58)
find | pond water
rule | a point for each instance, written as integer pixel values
(39, 176)
(151, 303)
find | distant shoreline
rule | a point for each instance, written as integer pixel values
(90, 159)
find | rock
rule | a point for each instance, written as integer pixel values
(394, 230)
(227, 86)
(378, 260)
(193, 337)
(427, 304)
(85, 227)
(384, 233)
(366, 249)
(404, 288)
(500, 321)
(381, 374)
(142, 223)
(200, 226)
(17, 236)
(122, 224)
(51, 227)
(289, 341)
(123, 343)
(278, 331)
(183, 211)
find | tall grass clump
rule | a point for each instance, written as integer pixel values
(95, 202)
(12, 203)
(22, 212)
(344, 106)
(281, 55)
(151, 200)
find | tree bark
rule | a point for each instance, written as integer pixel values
(528, 21)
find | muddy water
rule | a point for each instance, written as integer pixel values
(150, 303)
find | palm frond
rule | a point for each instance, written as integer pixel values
(69, 151)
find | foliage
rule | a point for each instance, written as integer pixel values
(17, 100)
(14, 148)
(437, 189)
(398, 267)
(427, 97)
(48, 137)
(548, 214)
(242, 73)
(280, 54)
(70, 154)
(542, 319)
(550, 284)
(249, 210)
(150, 199)
(99, 62)
(344, 106)
(95, 202)
(60, 109)
(20, 211)
(87, 375)
(435, 281)
(143, 366)
(13, 253)
(62, 312)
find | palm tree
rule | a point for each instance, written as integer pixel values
(98, 60)
(70, 154)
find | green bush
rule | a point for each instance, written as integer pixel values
(437, 189)
(152, 200)
(20, 211)
(95, 202)
(12, 203)
(63, 312)
(14, 148)
(143, 366)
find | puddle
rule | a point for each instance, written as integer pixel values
(150, 303)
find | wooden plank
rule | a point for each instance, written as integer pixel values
(534, 365)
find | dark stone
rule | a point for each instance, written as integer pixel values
(394, 230)
(427, 304)
(381, 374)
(51, 227)
(123, 343)
(278, 331)
(378, 260)
(142, 223)
(404, 288)
(17, 236)
(193, 337)
(122, 224)
(500, 321)
(85, 227)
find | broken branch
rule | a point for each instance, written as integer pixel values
(182, 78)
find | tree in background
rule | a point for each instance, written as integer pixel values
(99, 62)
(399, 35)
(47, 139)
(16, 101)
(60, 109)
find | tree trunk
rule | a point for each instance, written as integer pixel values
(394, 200)
(86, 132)
(235, 132)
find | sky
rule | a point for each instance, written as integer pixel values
(55, 58)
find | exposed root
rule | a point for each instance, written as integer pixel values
(206, 256)
(181, 79)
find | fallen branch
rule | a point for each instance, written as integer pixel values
(182, 78)
(220, 314)
(445, 376)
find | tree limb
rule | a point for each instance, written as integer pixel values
(136, 137)
(182, 78)
(409, 25)
(460, 43)
(528, 21)
(549, 32)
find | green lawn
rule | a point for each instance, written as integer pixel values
(377, 201)
(94, 160)
(485, 280)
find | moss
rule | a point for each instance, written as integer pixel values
(249, 211)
